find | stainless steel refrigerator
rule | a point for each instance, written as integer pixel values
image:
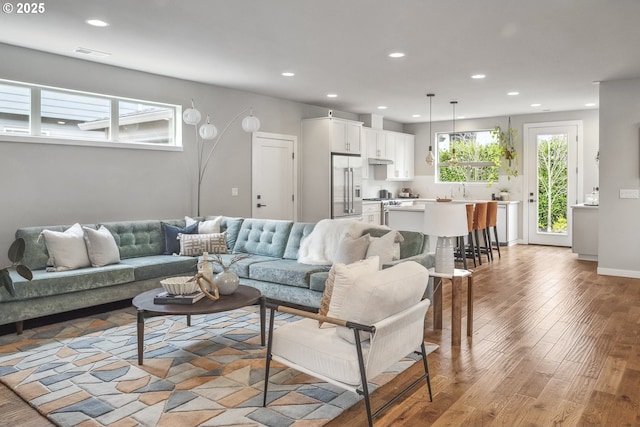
(346, 186)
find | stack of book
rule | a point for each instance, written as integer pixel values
(167, 298)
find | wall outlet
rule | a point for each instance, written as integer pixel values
(234, 191)
(628, 193)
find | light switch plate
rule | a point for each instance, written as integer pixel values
(234, 191)
(628, 193)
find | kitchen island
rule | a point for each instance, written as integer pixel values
(411, 217)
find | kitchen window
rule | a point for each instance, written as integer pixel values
(33, 113)
(476, 152)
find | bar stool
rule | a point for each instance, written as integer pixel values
(462, 247)
(480, 226)
(492, 223)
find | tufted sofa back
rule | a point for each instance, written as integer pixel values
(139, 238)
(35, 253)
(263, 237)
(414, 242)
(299, 232)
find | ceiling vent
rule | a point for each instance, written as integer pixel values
(90, 52)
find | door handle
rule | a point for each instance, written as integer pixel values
(532, 200)
(260, 205)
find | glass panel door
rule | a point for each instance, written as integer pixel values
(552, 152)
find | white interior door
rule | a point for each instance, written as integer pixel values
(273, 176)
(552, 180)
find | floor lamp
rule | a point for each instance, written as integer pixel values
(446, 221)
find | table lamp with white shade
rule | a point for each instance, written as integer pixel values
(446, 221)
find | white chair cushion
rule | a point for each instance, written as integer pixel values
(376, 296)
(345, 275)
(321, 351)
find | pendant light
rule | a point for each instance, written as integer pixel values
(430, 159)
(454, 160)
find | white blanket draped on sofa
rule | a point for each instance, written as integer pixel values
(321, 244)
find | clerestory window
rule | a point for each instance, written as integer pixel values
(34, 113)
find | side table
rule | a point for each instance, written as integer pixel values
(456, 304)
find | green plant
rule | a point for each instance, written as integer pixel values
(508, 156)
(16, 253)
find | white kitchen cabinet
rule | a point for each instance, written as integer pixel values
(372, 213)
(375, 141)
(507, 223)
(402, 145)
(345, 136)
(584, 231)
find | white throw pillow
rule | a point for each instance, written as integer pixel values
(351, 249)
(205, 227)
(67, 250)
(345, 275)
(376, 296)
(101, 246)
(384, 247)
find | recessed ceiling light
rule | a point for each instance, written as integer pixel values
(332, 95)
(415, 116)
(382, 107)
(461, 117)
(97, 23)
(61, 122)
(396, 55)
(513, 93)
(478, 76)
(590, 104)
(288, 74)
(536, 105)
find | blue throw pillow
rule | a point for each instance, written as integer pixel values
(171, 242)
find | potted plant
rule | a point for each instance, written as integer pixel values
(507, 149)
(16, 253)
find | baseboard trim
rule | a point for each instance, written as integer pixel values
(621, 273)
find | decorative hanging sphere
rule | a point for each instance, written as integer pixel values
(250, 124)
(208, 131)
(191, 116)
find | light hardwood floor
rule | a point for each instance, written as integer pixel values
(553, 344)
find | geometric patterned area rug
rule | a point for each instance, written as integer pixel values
(85, 373)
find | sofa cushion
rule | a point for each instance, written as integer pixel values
(263, 237)
(231, 226)
(317, 281)
(299, 232)
(351, 249)
(198, 244)
(139, 238)
(241, 268)
(46, 283)
(172, 236)
(159, 266)
(285, 271)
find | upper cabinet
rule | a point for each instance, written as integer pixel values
(345, 136)
(375, 141)
(402, 147)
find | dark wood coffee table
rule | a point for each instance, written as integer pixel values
(242, 297)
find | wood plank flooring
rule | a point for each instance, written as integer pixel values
(554, 344)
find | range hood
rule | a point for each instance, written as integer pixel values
(376, 161)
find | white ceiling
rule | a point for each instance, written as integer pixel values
(551, 51)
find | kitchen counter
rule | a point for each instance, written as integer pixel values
(411, 217)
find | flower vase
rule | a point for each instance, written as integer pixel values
(227, 281)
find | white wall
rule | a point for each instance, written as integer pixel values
(57, 184)
(619, 242)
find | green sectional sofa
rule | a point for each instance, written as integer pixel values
(272, 266)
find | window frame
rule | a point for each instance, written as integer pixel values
(469, 164)
(111, 141)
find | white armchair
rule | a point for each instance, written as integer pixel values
(385, 323)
